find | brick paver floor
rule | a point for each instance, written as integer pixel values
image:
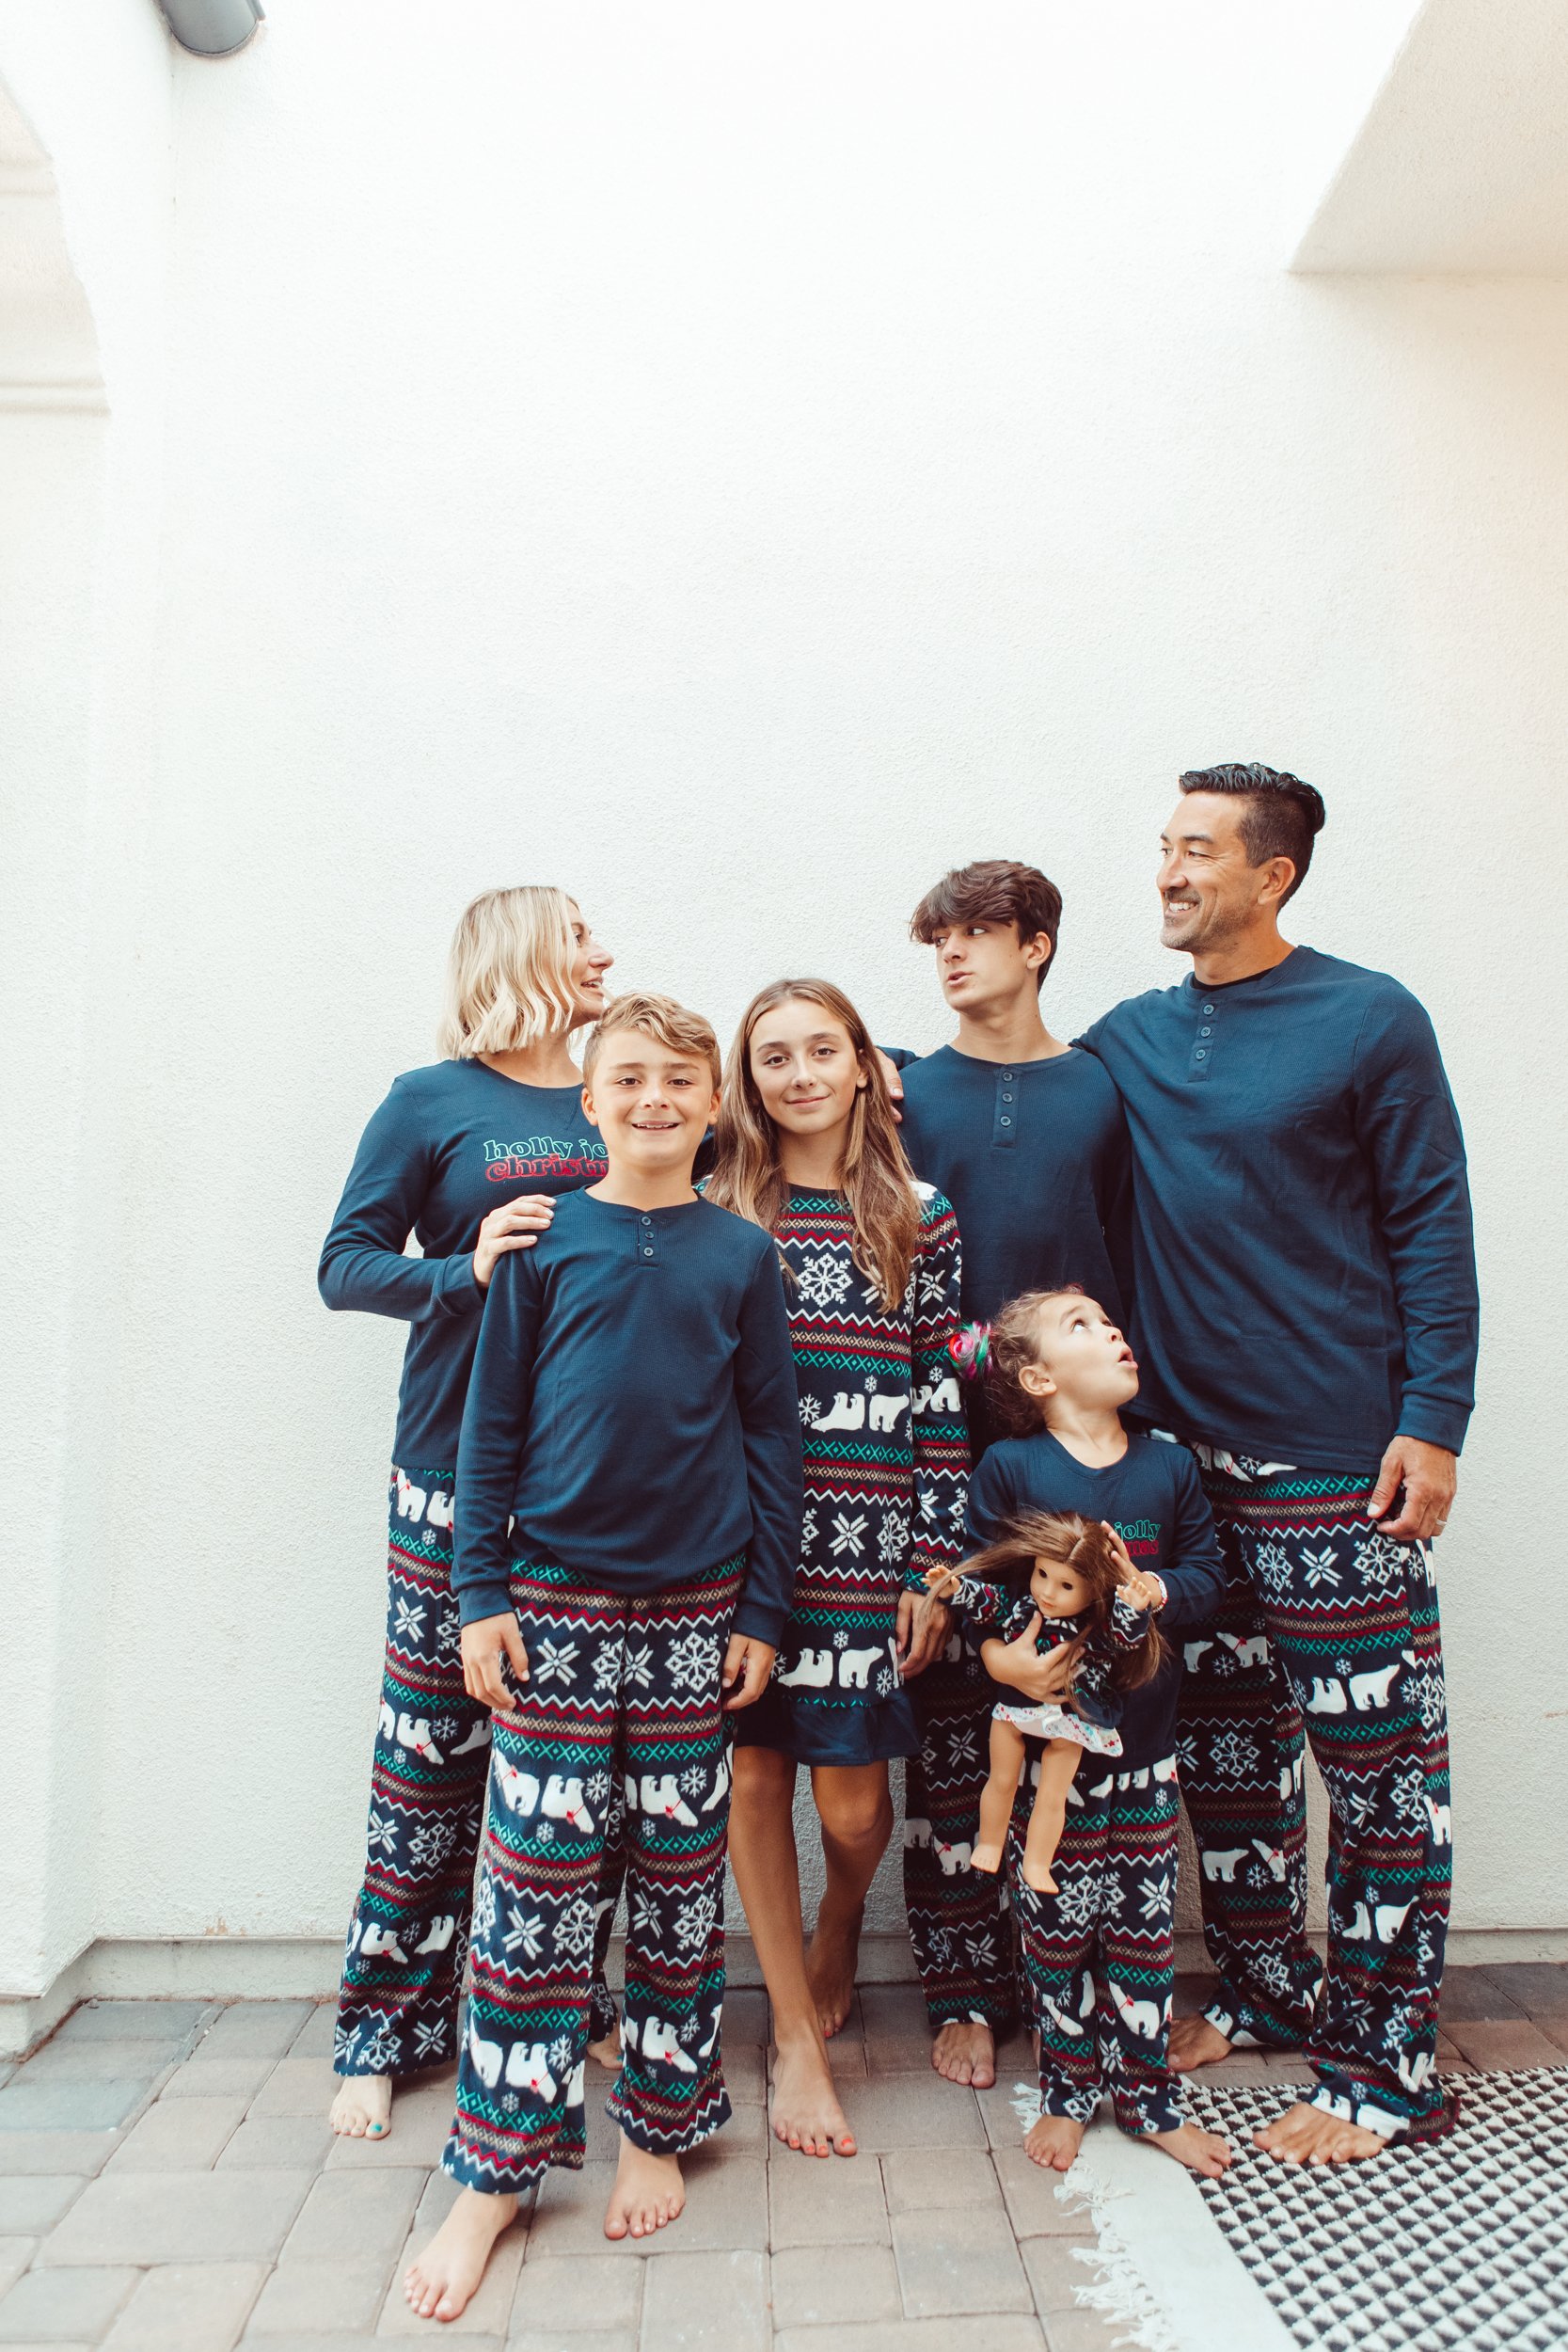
(167, 2183)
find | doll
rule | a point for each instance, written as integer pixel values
(1064, 1580)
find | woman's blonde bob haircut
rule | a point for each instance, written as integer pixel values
(509, 976)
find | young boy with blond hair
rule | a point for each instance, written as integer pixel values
(626, 1540)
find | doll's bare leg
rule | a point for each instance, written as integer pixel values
(996, 1798)
(1057, 1766)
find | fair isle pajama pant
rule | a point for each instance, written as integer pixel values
(958, 1921)
(1329, 1625)
(617, 1750)
(408, 1937)
(1115, 1904)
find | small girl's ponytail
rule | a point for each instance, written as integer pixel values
(969, 1350)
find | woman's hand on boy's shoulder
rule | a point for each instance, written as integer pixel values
(486, 1642)
(516, 1225)
(747, 1663)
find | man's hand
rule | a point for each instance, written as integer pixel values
(1018, 1665)
(747, 1663)
(1428, 1476)
(922, 1632)
(513, 1226)
(894, 1077)
(486, 1642)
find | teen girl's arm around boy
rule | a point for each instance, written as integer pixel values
(767, 1400)
(362, 1265)
(938, 1439)
(489, 1455)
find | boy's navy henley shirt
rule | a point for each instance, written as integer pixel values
(633, 1411)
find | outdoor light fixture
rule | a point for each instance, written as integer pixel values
(211, 28)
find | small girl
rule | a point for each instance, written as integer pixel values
(1099, 1946)
(1063, 1582)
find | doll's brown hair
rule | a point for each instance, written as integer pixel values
(1085, 1548)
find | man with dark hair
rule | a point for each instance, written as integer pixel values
(1306, 1317)
(1026, 1136)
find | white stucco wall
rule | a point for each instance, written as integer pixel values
(738, 466)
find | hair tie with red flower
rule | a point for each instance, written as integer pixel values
(968, 1349)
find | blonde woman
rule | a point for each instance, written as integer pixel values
(465, 1155)
(807, 1147)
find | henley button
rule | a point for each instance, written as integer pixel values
(647, 1253)
(1006, 1120)
(1006, 1098)
(1202, 1054)
(1208, 1007)
(1206, 1033)
(647, 1220)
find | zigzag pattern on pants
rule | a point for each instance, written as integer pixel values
(1330, 1626)
(617, 1748)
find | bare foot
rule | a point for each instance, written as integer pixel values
(363, 2107)
(1308, 2135)
(804, 2111)
(1038, 1875)
(607, 2052)
(1193, 2042)
(1053, 2141)
(648, 2193)
(965, 2052)
(986, 1858)
(440, 2282)
(830, 1962)
(1199, 2151)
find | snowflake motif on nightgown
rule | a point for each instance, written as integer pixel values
(597, 1787)
(573, 1930)
(1154, 1896)
(449, 1632)
(981, 1948)
(808, 1530)
(931, 1286)
(893, 1542)
(644, 1915)
(961, 1744)
(693, 1660)
(869, 1383)
(484, 1907)
(1186, 1753)
(445, 1728)
(1398, 2029)
(428, 1539)
(552, 1661)
(380, 2054)
(561, 2055)
(383, 1832)
(1344, 1665)
(941, 1942)
(1272, 1566)
(956, 1512)
(849, 1534)
(1234, 1755)
(545, 1834)
(841, 1638)
(693, 1781)
(806, 1407)
(510, 2101)
(823, 1281)
(884, 1682)
(430, 2040)
(639, 1668)
(410, 1619)
(694, 1922)
(1113, 1894)
(607, 1670)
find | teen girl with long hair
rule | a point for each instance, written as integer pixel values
(466, 1155)
(807, 1146)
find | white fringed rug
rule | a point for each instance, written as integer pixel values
(1458, 2245)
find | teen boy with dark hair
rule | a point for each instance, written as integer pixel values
(627, 1543)
(1026, 1136)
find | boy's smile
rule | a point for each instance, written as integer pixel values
(652, 1105)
